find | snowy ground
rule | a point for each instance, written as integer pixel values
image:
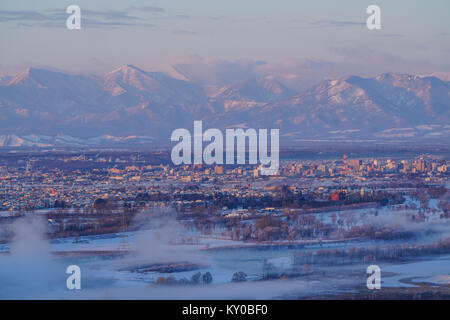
(114, 265)
(110, 276)
(436, 271)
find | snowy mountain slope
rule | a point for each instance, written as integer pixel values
(40, 106)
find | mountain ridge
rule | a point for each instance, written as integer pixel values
(130, 101)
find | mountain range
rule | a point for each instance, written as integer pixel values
(128, 105)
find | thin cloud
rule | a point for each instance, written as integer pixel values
(374, 61)
(152, 9)
(389, 35)
(7, 15)
(92, 23)
(110, 15)
(182, 32)
(335, 23)
(55, 18)
(182, 16)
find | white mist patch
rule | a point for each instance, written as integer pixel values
(29, 270)
(162, 239)
(167, 242)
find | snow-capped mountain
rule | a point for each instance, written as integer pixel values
(154, 87)
(33, 140)
(41, 107)
(250, 93)
(358, 107)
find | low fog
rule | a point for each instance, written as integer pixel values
(29, 271)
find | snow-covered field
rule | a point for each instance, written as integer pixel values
(118, 276)
(137, 264)
(436, 271)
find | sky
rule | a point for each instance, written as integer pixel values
(414, 36)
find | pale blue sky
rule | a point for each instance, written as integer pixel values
(138, 32)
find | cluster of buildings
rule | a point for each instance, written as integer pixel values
(368, 167)
(27, 185)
